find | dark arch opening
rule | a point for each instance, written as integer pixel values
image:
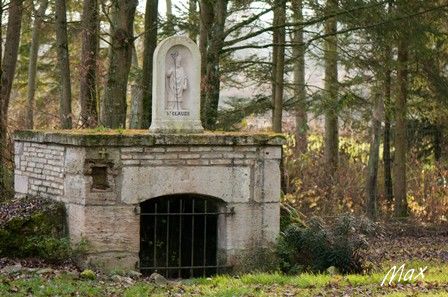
(179, 235)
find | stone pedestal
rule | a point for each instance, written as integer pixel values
(103, 177)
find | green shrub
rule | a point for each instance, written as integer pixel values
(6, 182)
(316, 246)
(289, 215)
(48, 248)
(34, 227)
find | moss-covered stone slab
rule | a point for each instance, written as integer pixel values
(144, 138)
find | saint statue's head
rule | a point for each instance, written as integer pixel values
(177, 59)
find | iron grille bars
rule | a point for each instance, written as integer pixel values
(179, 236)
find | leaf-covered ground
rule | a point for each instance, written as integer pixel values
(413, 251)
(414, 245)
(68, 283)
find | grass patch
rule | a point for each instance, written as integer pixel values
(435, 283)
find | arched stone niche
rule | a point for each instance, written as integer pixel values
(176, 87)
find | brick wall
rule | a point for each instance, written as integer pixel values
(39, 169)
(189, 156)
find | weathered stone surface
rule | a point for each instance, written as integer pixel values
(75, 188)
(271, 152)
(231, 184)
(21, 184)
(270, 222)
(104, 153)
(243, 227)
(45, 271)
(158, 279)
(176, 87)
(112, 261)
(11, 269)
(242, 170)
(111, 228)
(74, 160)
(93, 138)
(76, 221)
(272, 180)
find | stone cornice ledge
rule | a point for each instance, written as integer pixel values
(144, 138)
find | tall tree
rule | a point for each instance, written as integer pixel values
(148, 51)
(400, 141)
(192, 20)
(387, 86)
(169, 18)
(374, 153)
(298, 53)
(113, 108)
(331, 146)
(387, 159)
(274, 58)
(32, 65)
(65, 106)
(206, 20)
(135, 117)
(89, 56)
(279, 62)
(217, 10)
(7, 71)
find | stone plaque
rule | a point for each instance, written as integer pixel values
(176, 87)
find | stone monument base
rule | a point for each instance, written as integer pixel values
(105, 177)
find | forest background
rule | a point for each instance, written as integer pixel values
(360, 87)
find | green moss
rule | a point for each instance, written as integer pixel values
(122, 137)
(88, 274)
(35, 233)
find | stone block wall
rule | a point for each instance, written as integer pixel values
(39, 169)
(102, 179)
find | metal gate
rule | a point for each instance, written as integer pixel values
(179, 236)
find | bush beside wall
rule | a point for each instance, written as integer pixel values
(33, 227)
(316, 246)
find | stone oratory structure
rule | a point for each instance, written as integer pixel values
(175, 199)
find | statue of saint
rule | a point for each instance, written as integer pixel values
(177, 83)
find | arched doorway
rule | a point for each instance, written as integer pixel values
(179, 235)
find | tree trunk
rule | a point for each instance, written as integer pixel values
(135, 117)
(437, 142)
(401, 205)
(274, 56)
(279, 66)
(89, 55)
(206, 21)
(331, 91)
(215, 42)
(7, 70)
(374, 154)
(113, 108)
(32, 65)
(169, 18)
(298, 53)
(65, 106)
(388, 191)
(192, 19)
(148, 51)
